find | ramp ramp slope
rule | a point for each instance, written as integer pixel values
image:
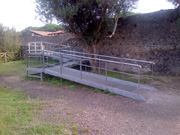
(66, 59)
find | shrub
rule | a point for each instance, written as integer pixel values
(9, 43)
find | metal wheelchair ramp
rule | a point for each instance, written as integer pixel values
(68, 58)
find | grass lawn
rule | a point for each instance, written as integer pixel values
(18, 111)
(14, 68)
(16, 115)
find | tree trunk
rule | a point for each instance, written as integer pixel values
(94, 62)
(115, 26)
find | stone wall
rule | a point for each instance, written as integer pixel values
(153, 36)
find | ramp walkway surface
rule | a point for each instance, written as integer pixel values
(66, 59)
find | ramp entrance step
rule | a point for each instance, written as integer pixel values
(60, 61)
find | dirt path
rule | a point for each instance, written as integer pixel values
(108, 115)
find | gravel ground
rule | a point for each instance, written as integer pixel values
(108, 115)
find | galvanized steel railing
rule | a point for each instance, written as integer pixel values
(103, 62)
(126, 60)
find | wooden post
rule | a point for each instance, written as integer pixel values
(5, 55)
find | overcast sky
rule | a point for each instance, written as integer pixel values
(21, 13)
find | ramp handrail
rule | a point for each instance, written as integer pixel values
(39, 46)
(117, 58)
(86, 57)
(80, 58)
(72, 52)
(112, 57)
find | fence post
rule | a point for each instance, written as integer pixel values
(5, 57)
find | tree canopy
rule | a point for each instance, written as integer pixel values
(89, 20)
(175, 2)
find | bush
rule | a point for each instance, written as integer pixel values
(9, 43)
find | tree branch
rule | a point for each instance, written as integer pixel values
(115, 27)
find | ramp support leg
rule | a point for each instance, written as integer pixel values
(41, 76)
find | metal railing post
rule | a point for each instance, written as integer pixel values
(152, 75)
(29, 47)
(27, 57)
(99, 66)
(47, 60)
(61, 62)
(74, 56)
(138, 77)
(59, 59)
(106, 72)
(35, 47)
(80, 66)
(43, 60)
(43, 65)
(41, 46)
(122, 71)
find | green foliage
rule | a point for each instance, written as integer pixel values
(73, 87)
(58, 81)
(74, 129)
(9, 42)
(46, 129)
(97, 90)
(86, 130)
(106, 91)
(112, 94)
(86, 88)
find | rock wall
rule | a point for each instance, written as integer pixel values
(153, 36)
